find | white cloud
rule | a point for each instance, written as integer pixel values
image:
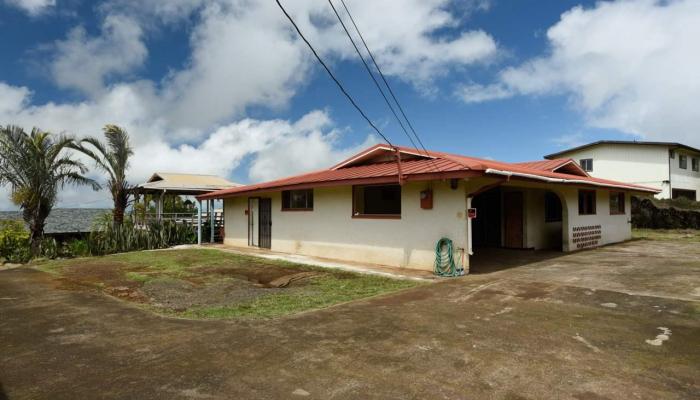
(626, 65)
(570, 140)
(477, 93)
(295, 146)
(32, 7)
(83, 63)
(403, 37)
(243, 54)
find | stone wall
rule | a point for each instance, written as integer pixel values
(646, 214)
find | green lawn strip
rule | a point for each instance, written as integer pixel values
(333, 287)
(319, 293)
(686, 235)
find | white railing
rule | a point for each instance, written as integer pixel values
(184, 217)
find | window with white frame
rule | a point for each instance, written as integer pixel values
(586, 164)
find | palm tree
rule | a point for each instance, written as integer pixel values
(112, 158)
(36, 165)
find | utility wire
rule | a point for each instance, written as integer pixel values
(340, 86)
(371, 74)
(374, 61)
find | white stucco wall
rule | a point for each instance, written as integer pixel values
(330, 231)
(540, 234)
(685, 178)
(637, 164)
(613, 228)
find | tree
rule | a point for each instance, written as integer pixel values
(36, 166)
(112, 158)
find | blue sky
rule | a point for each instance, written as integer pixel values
(226, 87)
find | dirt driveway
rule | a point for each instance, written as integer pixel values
(618, 322)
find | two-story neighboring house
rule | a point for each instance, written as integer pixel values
(672, 167)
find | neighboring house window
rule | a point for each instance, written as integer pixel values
(586, 202)
(552, 207)
(298, 200)
(376, 201)
(688, 194)
(696, 164)
(682, 161)
(587, 164)
(617, 203)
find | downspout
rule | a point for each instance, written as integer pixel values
(398, 162)
(670, 191)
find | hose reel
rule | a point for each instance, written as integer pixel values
(445, 264)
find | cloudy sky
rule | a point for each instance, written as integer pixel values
(226, 87)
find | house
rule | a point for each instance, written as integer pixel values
(390, 205)
(673, 168)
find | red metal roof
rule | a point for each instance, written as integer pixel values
(545, 165)
(417, 165)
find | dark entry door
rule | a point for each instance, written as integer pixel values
(486, 228)
(513, 219)
(265, 223)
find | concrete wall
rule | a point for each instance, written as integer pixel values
(540, 234)
(685, 178)
(612, 228)
(330, 231)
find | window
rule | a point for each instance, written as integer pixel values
(552, 207)
(586, 164)
(688, 194)
(586, 202)
(617, 203)
(376, 201)
(682, 161)
(298, 200)
(696, 164)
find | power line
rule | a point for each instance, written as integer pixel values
(374, 61)
(340, 86)
(371, 74)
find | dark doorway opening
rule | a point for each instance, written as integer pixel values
(513, 220)
(486, 227)
(265, 227)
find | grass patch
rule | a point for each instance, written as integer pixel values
(685, 235)
(203, 269)
(320, 292)
(137, 277)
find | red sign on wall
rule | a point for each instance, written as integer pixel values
(471, 213)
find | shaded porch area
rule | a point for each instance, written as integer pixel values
(489, 260)
(172, 197)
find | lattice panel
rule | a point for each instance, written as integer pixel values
(587, 236)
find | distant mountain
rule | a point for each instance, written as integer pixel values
(65, 220)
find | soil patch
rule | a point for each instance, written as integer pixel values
(214, 284)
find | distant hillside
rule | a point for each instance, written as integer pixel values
(64, 220)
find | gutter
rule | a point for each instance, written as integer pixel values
(508, 174)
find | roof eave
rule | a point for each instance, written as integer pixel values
(574, 181)
(222, 194)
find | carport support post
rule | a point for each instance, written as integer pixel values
(199, 222)
(211, 219)
(470, 251)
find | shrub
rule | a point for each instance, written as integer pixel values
(107, 238)
(78, 248)
(14, 242)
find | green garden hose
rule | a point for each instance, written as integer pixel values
(444, 259)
